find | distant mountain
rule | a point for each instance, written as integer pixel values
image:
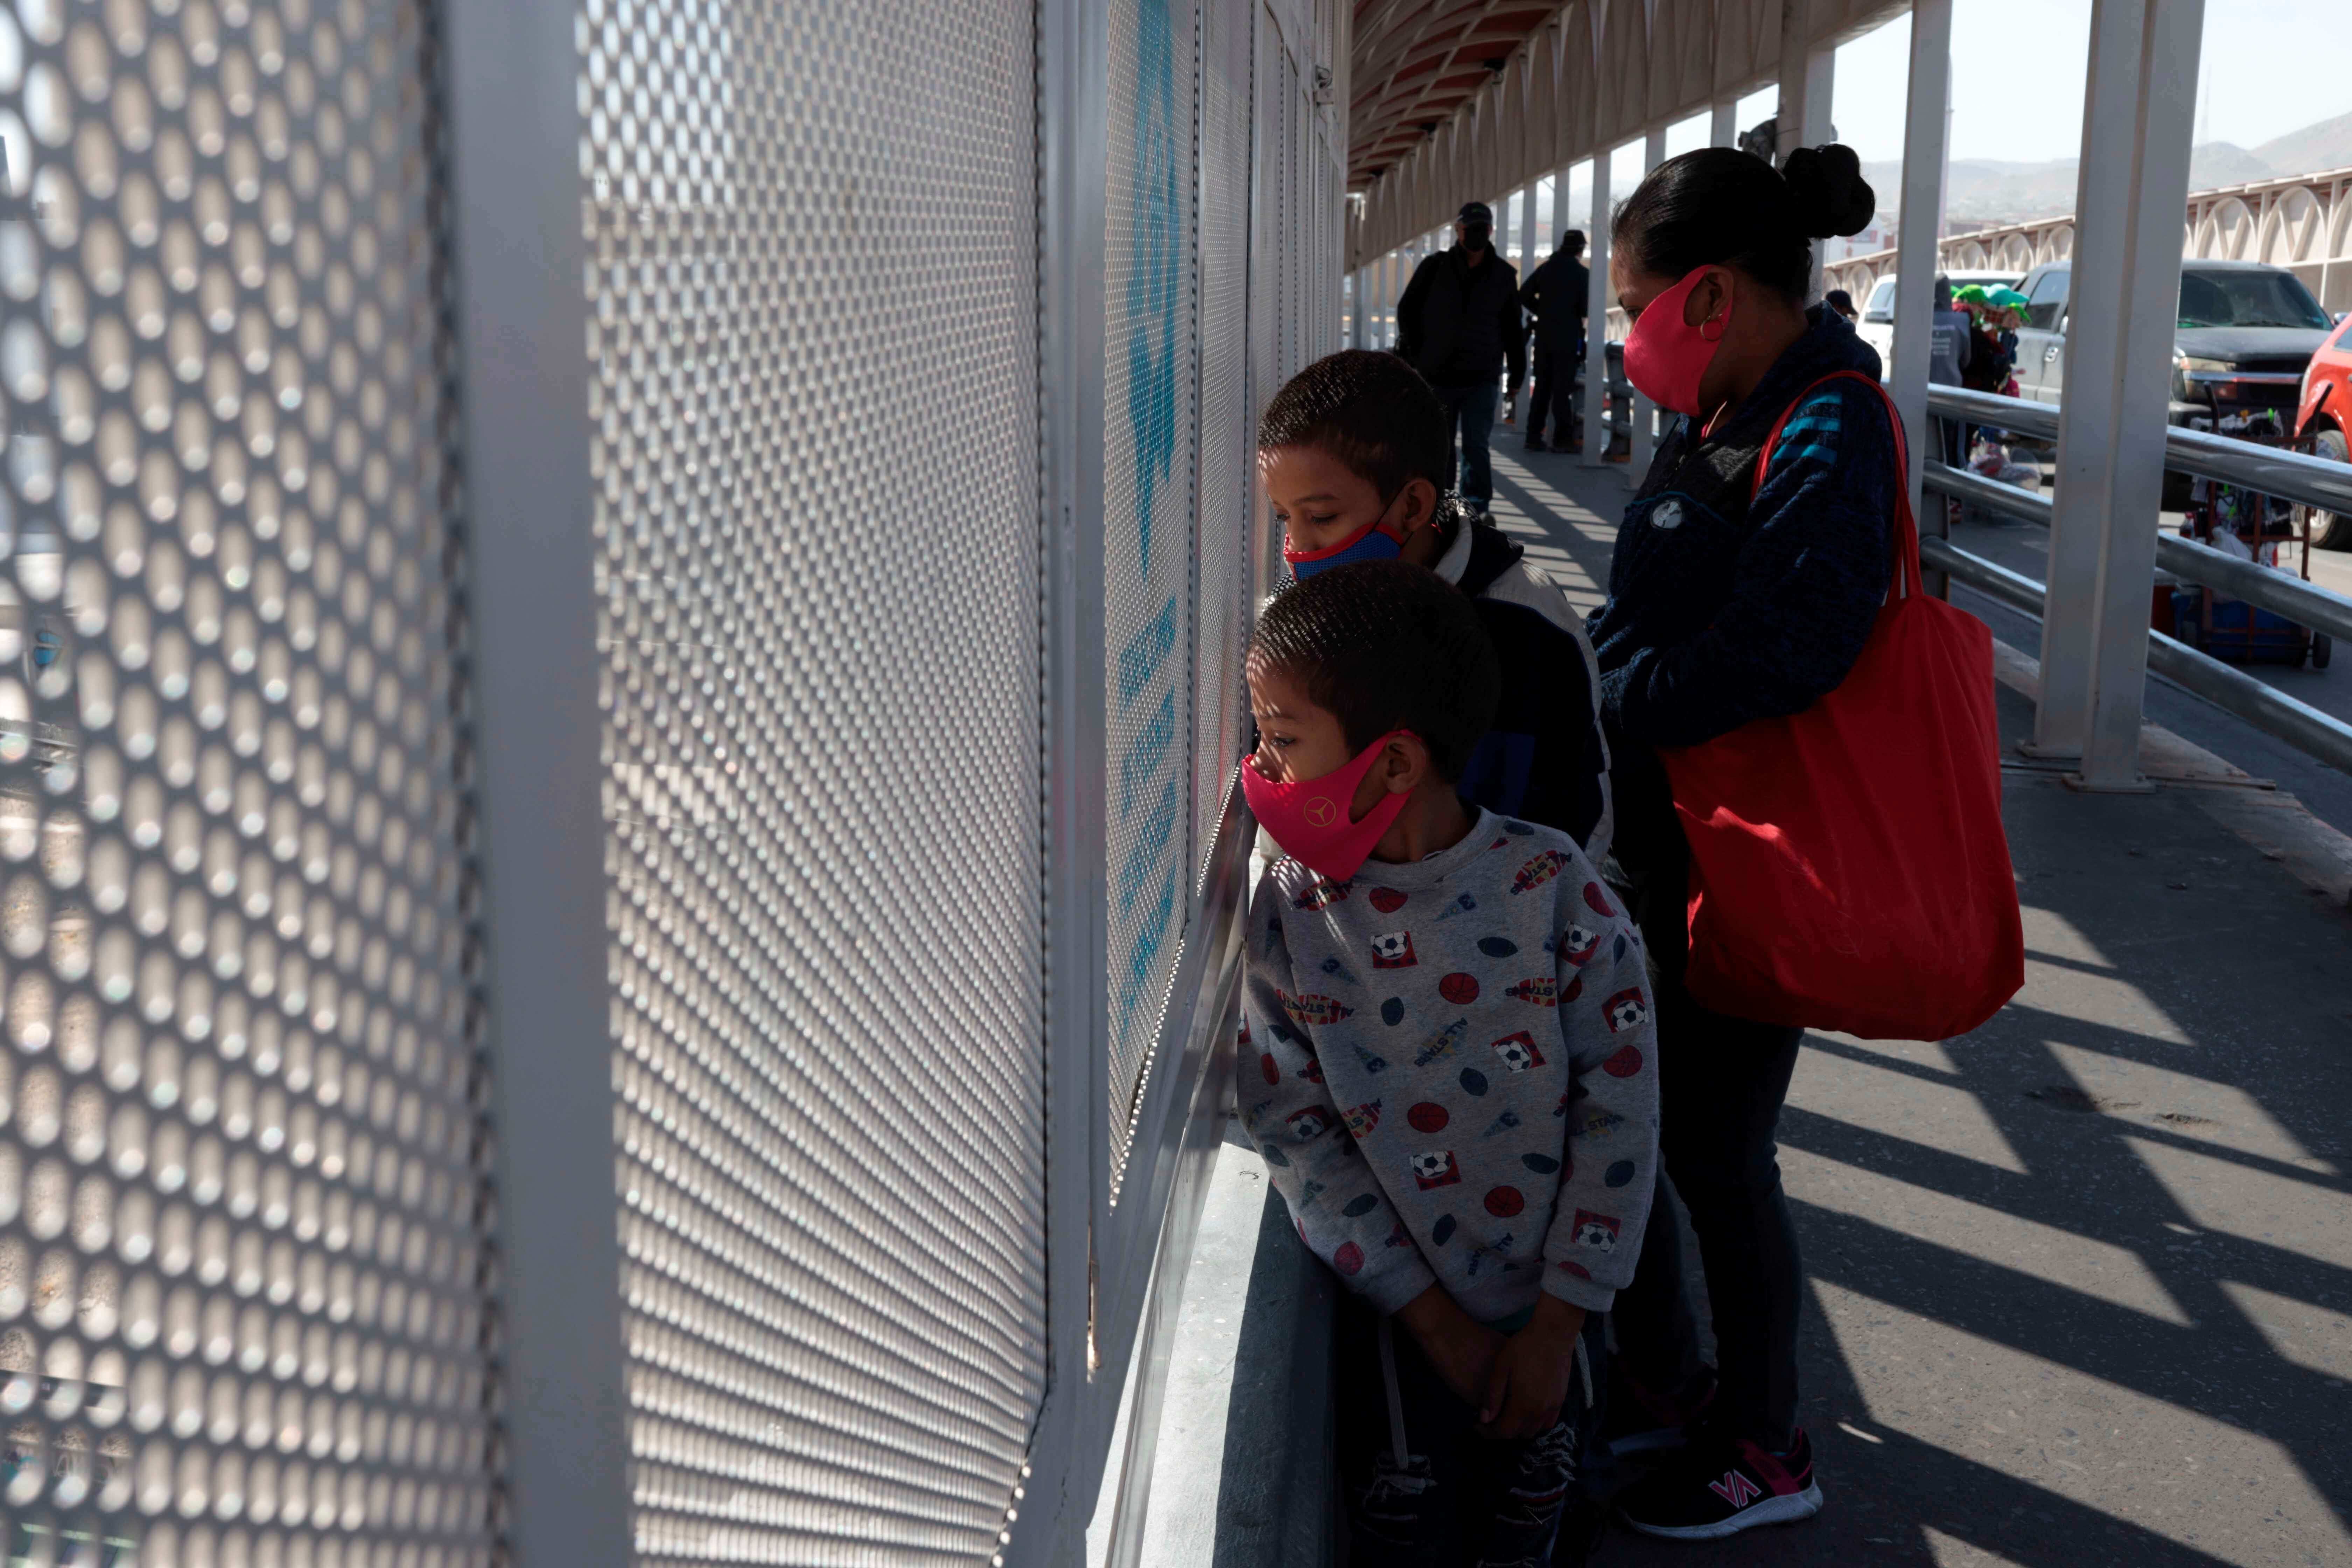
(1986, 191)
(2326, 145)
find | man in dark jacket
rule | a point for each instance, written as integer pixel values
(1458, 323)
(1555, 293)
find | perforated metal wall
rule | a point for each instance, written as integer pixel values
(1228, 419)
(242, 1256)
(1149, 422)
(812, 230)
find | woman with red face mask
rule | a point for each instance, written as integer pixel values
(1748, 570)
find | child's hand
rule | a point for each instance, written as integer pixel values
(1462, 1349)
(1530, 1379)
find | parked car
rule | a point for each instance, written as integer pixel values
(2322, 414)
(2244, 334)
(1877, 327)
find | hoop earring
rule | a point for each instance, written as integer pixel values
(1720, 323)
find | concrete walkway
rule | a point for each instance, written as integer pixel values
(2080, 1283)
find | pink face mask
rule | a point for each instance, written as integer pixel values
(1666, 356)
(1308, 817)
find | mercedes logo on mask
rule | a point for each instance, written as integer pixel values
(1320, 812)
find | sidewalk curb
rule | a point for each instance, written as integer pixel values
(2269, 819)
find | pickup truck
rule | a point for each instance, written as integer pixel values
(2243, 334)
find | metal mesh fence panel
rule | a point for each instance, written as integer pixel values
(1228, 435)
(242, 1250)
(812, 240)
(1149, 424)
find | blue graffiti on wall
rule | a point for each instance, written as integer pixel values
(1145, 884)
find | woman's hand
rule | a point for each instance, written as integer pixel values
(1528, 1383)
(1461, 1348)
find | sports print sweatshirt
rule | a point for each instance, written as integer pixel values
(1450, 1070)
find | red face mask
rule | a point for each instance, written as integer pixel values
(1308, 817)
(1666, 356)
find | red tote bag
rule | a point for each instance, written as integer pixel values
(1849, 869)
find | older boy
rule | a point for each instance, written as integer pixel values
(1352, 453)
(1449, 1067)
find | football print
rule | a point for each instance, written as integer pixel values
(1309, 1123)
(1321, 896)
(1393, 949)
(1442, 1044)
(1538, 871)
(1597, 1231)
(1311, 1009)
(1435, 1169)
(1627, 1010)
(1518, 1052)
(1577, 945)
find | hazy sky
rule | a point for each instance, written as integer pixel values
(2268, 67)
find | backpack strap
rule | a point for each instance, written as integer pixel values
(1906, 560)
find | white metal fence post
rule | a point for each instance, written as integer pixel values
(1923, 214)
(1644, 437)
(1596, 316)
(1529, 259)
(2142, 96)
(2111, 421)
(1813, 129)
(523, 322)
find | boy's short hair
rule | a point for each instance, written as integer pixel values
(1370, 410)
(1384, 646)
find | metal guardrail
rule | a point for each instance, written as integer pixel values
(2297, 600)
(2293, 476)
(2299, 724)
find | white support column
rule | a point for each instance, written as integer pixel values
(1596, 316)
(1358, 335)
(1644, 438)
(1558, 204)
(1924, 127)
(1529, 259)
(1723, 124)
(1813, 129)
(2138, 110)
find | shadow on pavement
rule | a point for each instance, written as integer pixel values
(2081, 1282)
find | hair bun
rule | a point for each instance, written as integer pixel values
(1830, 195)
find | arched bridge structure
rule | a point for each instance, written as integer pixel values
(2303, 223)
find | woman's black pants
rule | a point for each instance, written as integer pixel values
(1721, 1084)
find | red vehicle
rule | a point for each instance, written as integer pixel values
(2322, 417)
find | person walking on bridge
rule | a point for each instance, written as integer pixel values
(1555, 292)
(1459, 324)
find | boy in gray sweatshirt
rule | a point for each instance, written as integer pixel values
(1448, 1064)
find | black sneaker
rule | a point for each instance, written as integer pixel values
(1721, 1486)
(1642, 1421)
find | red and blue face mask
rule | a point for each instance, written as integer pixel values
(1373, 544)
(1376, 540)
